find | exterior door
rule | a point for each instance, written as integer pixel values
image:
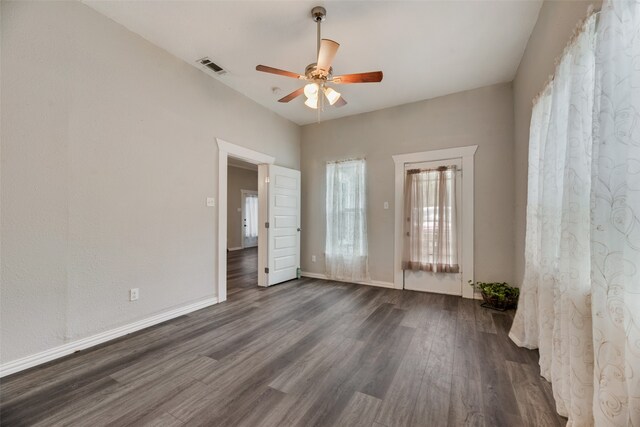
(442, 283)
(283, 231)
(249, 218)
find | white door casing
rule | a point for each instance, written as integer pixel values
(467, 222)
(283, 232)
(428, 281)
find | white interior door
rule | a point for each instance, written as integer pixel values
(249, 230)
(427, 281)
(283, 231)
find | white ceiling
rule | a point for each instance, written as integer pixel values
(425, 48)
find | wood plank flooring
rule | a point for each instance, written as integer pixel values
(242, 270)
(304, 353)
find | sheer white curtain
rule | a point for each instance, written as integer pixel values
(580, 297)
(555, 313)
(251, 214)
(615, 255)
(430, 225)
(346, 252)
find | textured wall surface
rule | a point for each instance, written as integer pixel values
(482, 117)
(237, 179)
(108, 154)
(553, 30)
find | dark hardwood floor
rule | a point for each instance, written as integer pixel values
(242, 270)
(307, 352)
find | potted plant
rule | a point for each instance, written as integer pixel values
(497, 295)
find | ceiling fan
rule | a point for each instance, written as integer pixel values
(320, 73)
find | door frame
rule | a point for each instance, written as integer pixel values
(243, 194)
(226, 149)
(467, 259)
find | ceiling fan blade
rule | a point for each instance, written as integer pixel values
(328, 50)
(279, 72)
(296, 93)
(341, 102)
(371, 77)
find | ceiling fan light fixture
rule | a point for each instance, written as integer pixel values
(319, 73)
(332, 95)
(311, 90)
(312, 102)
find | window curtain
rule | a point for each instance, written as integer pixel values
(580, 296)
(251, 213)
(346, 253)
(615, 222)
(554, 312)
(430, 241)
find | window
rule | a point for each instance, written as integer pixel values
(431, 242)
(346, 234)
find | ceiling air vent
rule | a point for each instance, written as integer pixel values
(207, 63)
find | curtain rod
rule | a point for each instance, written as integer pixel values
(438, 169)
(578, 29)
(346, 160)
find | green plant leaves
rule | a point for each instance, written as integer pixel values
(499, 290)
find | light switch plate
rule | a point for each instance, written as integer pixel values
(211, 202)
(386, 205)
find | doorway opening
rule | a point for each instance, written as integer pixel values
(242, 225)
(278, 250)
(228, 151)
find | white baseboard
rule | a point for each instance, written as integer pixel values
(81, 344)
(376, 283)
(235, 249)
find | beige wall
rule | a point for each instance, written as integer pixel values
(482, 116)
(553, 30)
(237, 179)
(108, 155)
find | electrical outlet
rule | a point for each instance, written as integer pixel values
(313, 258)
(134, 294)
(211, 202)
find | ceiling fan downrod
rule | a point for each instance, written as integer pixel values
(318, 14)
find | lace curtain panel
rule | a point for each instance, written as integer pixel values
(430, 224)
(346, 252)
(580, 296)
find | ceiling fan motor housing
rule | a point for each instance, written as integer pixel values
(312, 72)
